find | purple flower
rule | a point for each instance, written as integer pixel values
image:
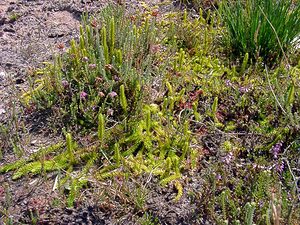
(228, 83)
(65, 83)
(244, 89)
(85, 59)
(279, 167)
(83, 95)
(112, 94)
(276, 149)
(228, 158)
(218, 177)
(92, 66)
(116, 78)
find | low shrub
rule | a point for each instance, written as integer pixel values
(110, 63)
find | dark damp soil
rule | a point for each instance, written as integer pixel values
(30, 33)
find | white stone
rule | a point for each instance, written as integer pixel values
(2, 75)
(297, 41)
(2, 110)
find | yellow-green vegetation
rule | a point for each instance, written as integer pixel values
(159, 96)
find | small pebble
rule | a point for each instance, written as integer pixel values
(33, 142)
(2, 110)
(2, 76)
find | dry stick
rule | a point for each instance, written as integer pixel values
(297, 190)
(273, 91)
(295, 179)
(293, 175)
(287, 148)
(283, 55)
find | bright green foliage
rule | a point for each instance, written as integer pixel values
(37, 167)
(179, 190)
(123, 100)
(262, 28)
(290, 95)
(112, 36)
(101, 127)
(35, 156)
(70, 147)
(214, 108)
(104, 44)
(245, 62)
(117, 154)
(155, 148)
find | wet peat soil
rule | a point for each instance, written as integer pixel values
(30, 32)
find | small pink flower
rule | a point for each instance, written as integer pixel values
(92, 66)
(245, 89)
(228, 158)
(279, 166)
(112, 94)
(65, 83)
(228, 83)
(83, 95)
(155, 48)
(276, 149)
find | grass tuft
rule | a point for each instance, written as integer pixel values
(259, 28)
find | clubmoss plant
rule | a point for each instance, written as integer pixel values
(104, 44)
(35, 156)
(70, 147)
(249, 208)
(214, 108)
(76, 185)
(245, 62)
(101, 127)
(117, 154)
(123, 100)
(179, 188)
